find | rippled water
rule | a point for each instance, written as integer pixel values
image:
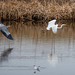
(33, 45)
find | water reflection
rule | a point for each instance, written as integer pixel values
(5, 54)
(34, 46)
(53, 59)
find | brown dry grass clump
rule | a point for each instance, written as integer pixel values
(22, 10)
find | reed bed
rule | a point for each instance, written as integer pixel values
(25, 10)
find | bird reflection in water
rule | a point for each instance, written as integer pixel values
(4, 55)
(52, 56)
(53, 59)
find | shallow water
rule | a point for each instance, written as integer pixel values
(33, 45)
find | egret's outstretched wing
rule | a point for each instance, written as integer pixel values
(6, 33)
(50, 24)
(54, 29)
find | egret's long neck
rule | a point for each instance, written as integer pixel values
(62, 25)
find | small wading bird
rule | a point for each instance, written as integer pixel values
(51, 24)
(4, 30)
(36, 68)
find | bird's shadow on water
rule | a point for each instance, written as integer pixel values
(4, 55)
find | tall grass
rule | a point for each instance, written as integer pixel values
(22, 10)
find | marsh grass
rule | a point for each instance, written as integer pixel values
(24, 10)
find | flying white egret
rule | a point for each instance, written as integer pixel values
(51, 24)
(4, 30)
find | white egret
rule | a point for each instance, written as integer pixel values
(51, 24)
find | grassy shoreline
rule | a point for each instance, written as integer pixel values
(36, 10)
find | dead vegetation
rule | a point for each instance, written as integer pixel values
(24, 10)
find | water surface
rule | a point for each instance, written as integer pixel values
(33, 45)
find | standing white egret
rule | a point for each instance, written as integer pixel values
(51, 24)
(4, 30)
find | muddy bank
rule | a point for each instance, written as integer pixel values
(17, 10)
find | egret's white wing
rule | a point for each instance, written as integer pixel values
(50, 24)
(54, 29)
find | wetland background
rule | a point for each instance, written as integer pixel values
(24, 10)
(33, 44)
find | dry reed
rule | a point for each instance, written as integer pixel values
(21, 10)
